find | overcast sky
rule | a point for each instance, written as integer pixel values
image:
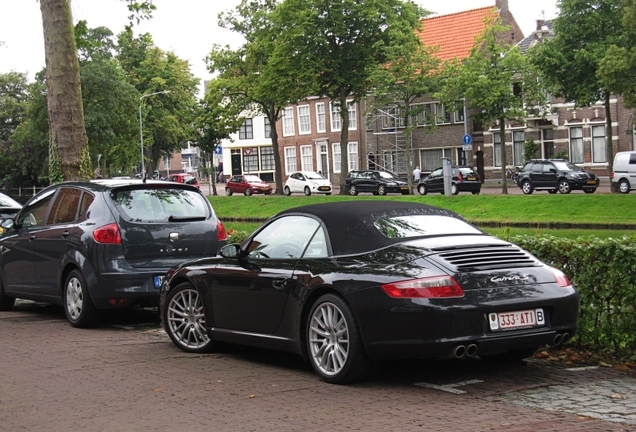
(186, 27)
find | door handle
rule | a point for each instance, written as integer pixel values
(32, 237)
(66, 234)
(280, 283)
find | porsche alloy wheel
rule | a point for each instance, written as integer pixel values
(333, 342)
(185, 320)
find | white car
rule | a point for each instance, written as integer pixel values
(307, 182)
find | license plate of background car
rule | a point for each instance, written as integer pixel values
(591, 182)
(471, 178)
(516, 320)
(158, 281)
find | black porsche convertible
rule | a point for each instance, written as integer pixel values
(348, 284)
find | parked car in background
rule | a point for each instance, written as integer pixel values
(375, 182)
(8, 206)
(348, 284)
(307, 182)
(247, 185)
(555, 175)
(624, 171)
(103, 244)
(464, 179)
(184, 178)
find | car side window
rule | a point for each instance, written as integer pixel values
(548, 168)
(64, 209)
(436, 173)
(632, 159)
(537, 168)
(35, 212)
(284, 238)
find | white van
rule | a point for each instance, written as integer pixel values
(624, 174)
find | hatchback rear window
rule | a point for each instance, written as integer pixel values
(161, 204)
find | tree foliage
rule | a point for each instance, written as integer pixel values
(570, 63)
(339, 44)
(14, 99)
(497, 79)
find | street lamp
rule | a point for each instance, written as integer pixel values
(141, 128)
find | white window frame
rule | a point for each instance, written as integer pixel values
(441, 116)
(517, 147)
(290, 160)
(496, 149)
(306, 158)
(288, 122)
(352, 154)
(577, 141)
(321, 118)
(334, 117)
(599, 144)
(353, 117)
(304, 120)
(337, 159)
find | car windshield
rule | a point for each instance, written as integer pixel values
(6, 201)
(314, 176)
(252, 179)
(386, 175)
(566, 166)
(189, 179)
(161, 204)
(423, 225)
(466, 171)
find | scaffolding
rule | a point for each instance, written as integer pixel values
(386, 143)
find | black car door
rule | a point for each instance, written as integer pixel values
(250, 294)
(19, 255)
(435, 181)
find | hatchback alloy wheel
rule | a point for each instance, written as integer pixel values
(185, 320)
(79, 308)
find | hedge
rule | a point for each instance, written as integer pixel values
(604, 272)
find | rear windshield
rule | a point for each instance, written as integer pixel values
(161, 204)
(423, 225)
(6, 201)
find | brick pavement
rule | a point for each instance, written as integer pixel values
(127, 376)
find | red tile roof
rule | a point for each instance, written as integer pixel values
(455, 33)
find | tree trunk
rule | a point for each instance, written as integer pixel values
(502, 133)
(64, 93)
(272, 115)
(608, 133)
(344, 143)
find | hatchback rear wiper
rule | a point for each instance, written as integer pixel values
(185, 218)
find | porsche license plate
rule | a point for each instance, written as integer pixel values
(516, 320)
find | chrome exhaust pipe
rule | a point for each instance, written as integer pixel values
(558, 338)
(459, 351)
(565, 338)
(471, 350)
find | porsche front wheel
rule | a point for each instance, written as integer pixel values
(185, 320)
(334, 344)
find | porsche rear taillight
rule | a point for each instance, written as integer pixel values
(433, 287)
(561, 279)
(107, 234)
(221, 234)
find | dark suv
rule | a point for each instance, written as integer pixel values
(375, 182)
(555, 175)
(103, 244)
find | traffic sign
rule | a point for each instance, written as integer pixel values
(218, 150)
(467, 139)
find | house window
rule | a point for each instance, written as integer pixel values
(250, 159)
(352, 151)
(441, 116)
(496, 149)
(335, 117)
(336, 157)
(246, 131)
(267, 159)
(391, 118)
(599, 147)
(306, 158)
(576, 145)
(424, 116)
(548, 143)
(288, 122)
(304, 125)
(432, 159)
(290, 160)
(353, 118)
(321, 125)
(517, 148)
(459, 115)
(268, 128)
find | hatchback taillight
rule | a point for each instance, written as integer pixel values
(108, 234)
(460, 177)
(433, 287)
(221, 234)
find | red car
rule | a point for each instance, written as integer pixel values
(247, 184)
(184, 178)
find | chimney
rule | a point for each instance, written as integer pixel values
(502, 5)
(540, 24)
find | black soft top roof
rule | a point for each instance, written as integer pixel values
(350, 223)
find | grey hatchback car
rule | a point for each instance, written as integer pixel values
(103, 244)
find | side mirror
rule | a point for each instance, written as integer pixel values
(7, 224)
(231, 251)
